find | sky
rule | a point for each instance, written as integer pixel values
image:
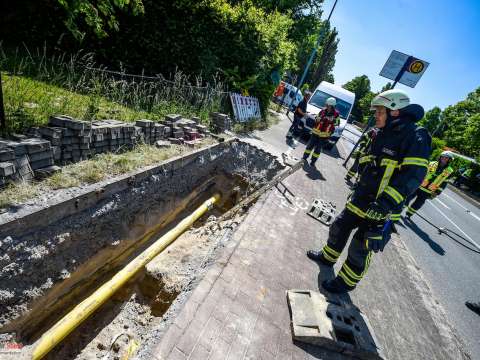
(444, 33)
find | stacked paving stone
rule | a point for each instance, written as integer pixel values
(69, 137)
(220, 122)
(152, 131)
(21, 160)
(112, 136)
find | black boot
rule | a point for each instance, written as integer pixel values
(475, 307)
(336, 286)
(318, 256)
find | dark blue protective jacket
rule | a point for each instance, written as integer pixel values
(393, 168)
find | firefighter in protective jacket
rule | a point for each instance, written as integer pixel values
(433, 184)
(394, 167)
(363, 146)
(322, 130)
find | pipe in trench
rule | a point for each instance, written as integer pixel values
(83, 310)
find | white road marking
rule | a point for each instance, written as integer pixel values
(463, 207)
(446, 217)
(443, 204)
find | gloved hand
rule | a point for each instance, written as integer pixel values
(433, 195)
(376, 212)
(378, 236)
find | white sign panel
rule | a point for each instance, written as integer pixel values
(245, 107)
(411, 67)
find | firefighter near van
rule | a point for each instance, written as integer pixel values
(325, 123)
(362, 150)
(433, 184)
(394, 167)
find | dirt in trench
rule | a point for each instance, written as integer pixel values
(127, 322)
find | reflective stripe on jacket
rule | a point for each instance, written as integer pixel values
(436, 178)
(394, 167)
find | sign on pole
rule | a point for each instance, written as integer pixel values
(404, 68)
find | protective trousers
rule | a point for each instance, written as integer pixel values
(354, 169)
(359, 257)
(314, 147)
(421, 197)
(294, 127)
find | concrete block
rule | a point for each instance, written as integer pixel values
(163, 144)
(144, 123)
(47, 171)
(18, 137)
(7, 155)
(41, 155)
(76, 125)
(173, 117)
(51, 132)
(175, 141)
(36, 145)
(58, 120)
(41, 163)
(331, 324)
(6, 168)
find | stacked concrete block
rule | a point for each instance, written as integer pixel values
(71, 135)
(148, 129)
(220, 122)
(153, 132)
(39, 152)
(14, 162)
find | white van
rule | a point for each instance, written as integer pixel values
(287, 99)
(345, 100)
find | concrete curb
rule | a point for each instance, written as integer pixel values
(70, 201)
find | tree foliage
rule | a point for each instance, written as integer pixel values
(360, 86)
(242, 41)
(100, 15)
(432, 120)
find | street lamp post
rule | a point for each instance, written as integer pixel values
(314, 52)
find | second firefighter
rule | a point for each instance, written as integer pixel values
(322, 130)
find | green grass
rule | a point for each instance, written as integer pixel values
(100, 167)
(250, 126)
(30, 102)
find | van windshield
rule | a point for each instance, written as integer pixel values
(318, 99)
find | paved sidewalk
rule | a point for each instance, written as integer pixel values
(239, 310)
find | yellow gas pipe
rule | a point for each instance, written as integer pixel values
(83, 310)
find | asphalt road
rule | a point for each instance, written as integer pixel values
(451, 263)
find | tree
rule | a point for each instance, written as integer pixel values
(360, 86)
(462, 125)
(99, 16)
(432, 120)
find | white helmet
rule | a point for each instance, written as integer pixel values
(392, 99)
(447, 154)
(331, 101)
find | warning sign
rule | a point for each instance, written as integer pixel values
(404, 68)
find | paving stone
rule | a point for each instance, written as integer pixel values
(173, 117)
(7, 155)
(47, 171)
(41, 163)
(330, 324)
(6, 168)
(169, 340)
(163, 144)
(144, 123)
(36, 145)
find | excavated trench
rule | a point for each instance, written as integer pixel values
(53, 258)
